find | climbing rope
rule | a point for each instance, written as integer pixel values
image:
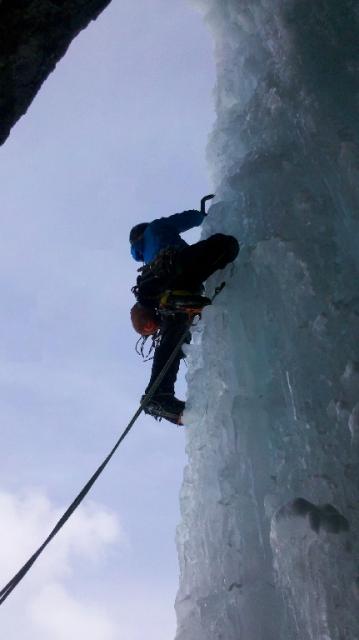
(10, 586)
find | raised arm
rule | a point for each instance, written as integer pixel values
(192, 218)
(186, 220)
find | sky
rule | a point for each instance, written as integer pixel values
(116, 136)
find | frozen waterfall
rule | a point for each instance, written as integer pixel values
(268, 541)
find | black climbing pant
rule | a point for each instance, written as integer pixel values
(193, 265)
(197, 262)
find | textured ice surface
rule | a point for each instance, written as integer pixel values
(268, 542)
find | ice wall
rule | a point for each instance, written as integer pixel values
(268, 542)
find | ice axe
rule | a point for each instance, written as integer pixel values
(204, 200)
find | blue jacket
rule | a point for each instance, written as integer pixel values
(165, 232)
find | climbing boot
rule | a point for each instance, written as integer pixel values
(165, 405)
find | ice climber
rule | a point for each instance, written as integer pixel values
(169, 286)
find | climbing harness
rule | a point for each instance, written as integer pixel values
(180, 301)
(10, 586)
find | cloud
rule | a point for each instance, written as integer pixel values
(62, 617)
(46, 598)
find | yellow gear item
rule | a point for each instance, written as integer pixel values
(176, 292)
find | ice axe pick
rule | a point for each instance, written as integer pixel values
(204, 200)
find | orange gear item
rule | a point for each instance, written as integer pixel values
(184, 302)
(144, 320)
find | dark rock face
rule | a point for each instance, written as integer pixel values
(34, 35)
